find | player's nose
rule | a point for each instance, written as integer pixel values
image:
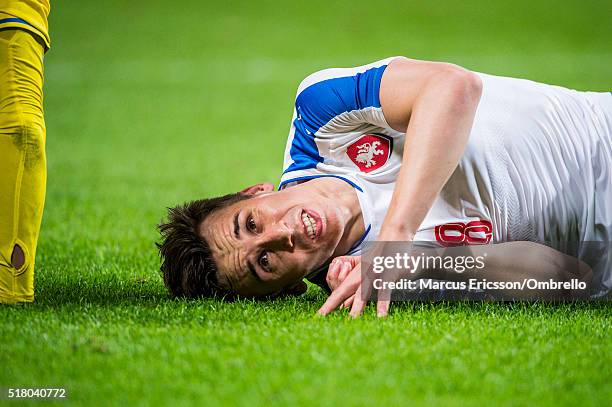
(279, 236)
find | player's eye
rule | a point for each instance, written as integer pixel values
(264, 262)
(250, 224)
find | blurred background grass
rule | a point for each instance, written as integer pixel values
(153, 103)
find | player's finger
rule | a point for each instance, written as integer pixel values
(337, 297)
(334, 268)
(383, 299)
(363, 294)
(344, 272)
(358, 303)
(382, 308)
(332, 273)
(353, 260)
(348, 303)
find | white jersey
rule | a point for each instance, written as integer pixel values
(537, 165)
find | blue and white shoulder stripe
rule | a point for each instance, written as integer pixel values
(330, 103)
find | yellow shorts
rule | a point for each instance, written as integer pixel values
(22, 159)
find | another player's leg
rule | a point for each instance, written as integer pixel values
(22, 162)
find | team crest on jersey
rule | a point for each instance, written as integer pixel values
(370, 152)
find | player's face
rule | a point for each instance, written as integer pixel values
(268, 243)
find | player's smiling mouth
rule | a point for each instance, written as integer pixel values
(312, 224)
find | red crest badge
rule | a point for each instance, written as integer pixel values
(370, 152)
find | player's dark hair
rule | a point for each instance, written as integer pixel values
(187, 264)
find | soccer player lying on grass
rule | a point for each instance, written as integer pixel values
(484, 159)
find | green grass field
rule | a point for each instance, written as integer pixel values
(153, 103)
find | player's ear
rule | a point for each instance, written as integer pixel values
(258, 188)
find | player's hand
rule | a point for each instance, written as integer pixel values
(339, 270)
(348, 294)
(355, 289)
(343, 295)
(366, 286)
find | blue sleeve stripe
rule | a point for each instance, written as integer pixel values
(309, 177)
(320, 102)
(15, 20)
(303, 152)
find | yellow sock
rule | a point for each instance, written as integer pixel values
(22, 161)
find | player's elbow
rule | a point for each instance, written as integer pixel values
(461, 85)
(569, 267)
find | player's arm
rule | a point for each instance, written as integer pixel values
(434, 104)
(505, 262)
(518, 262)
